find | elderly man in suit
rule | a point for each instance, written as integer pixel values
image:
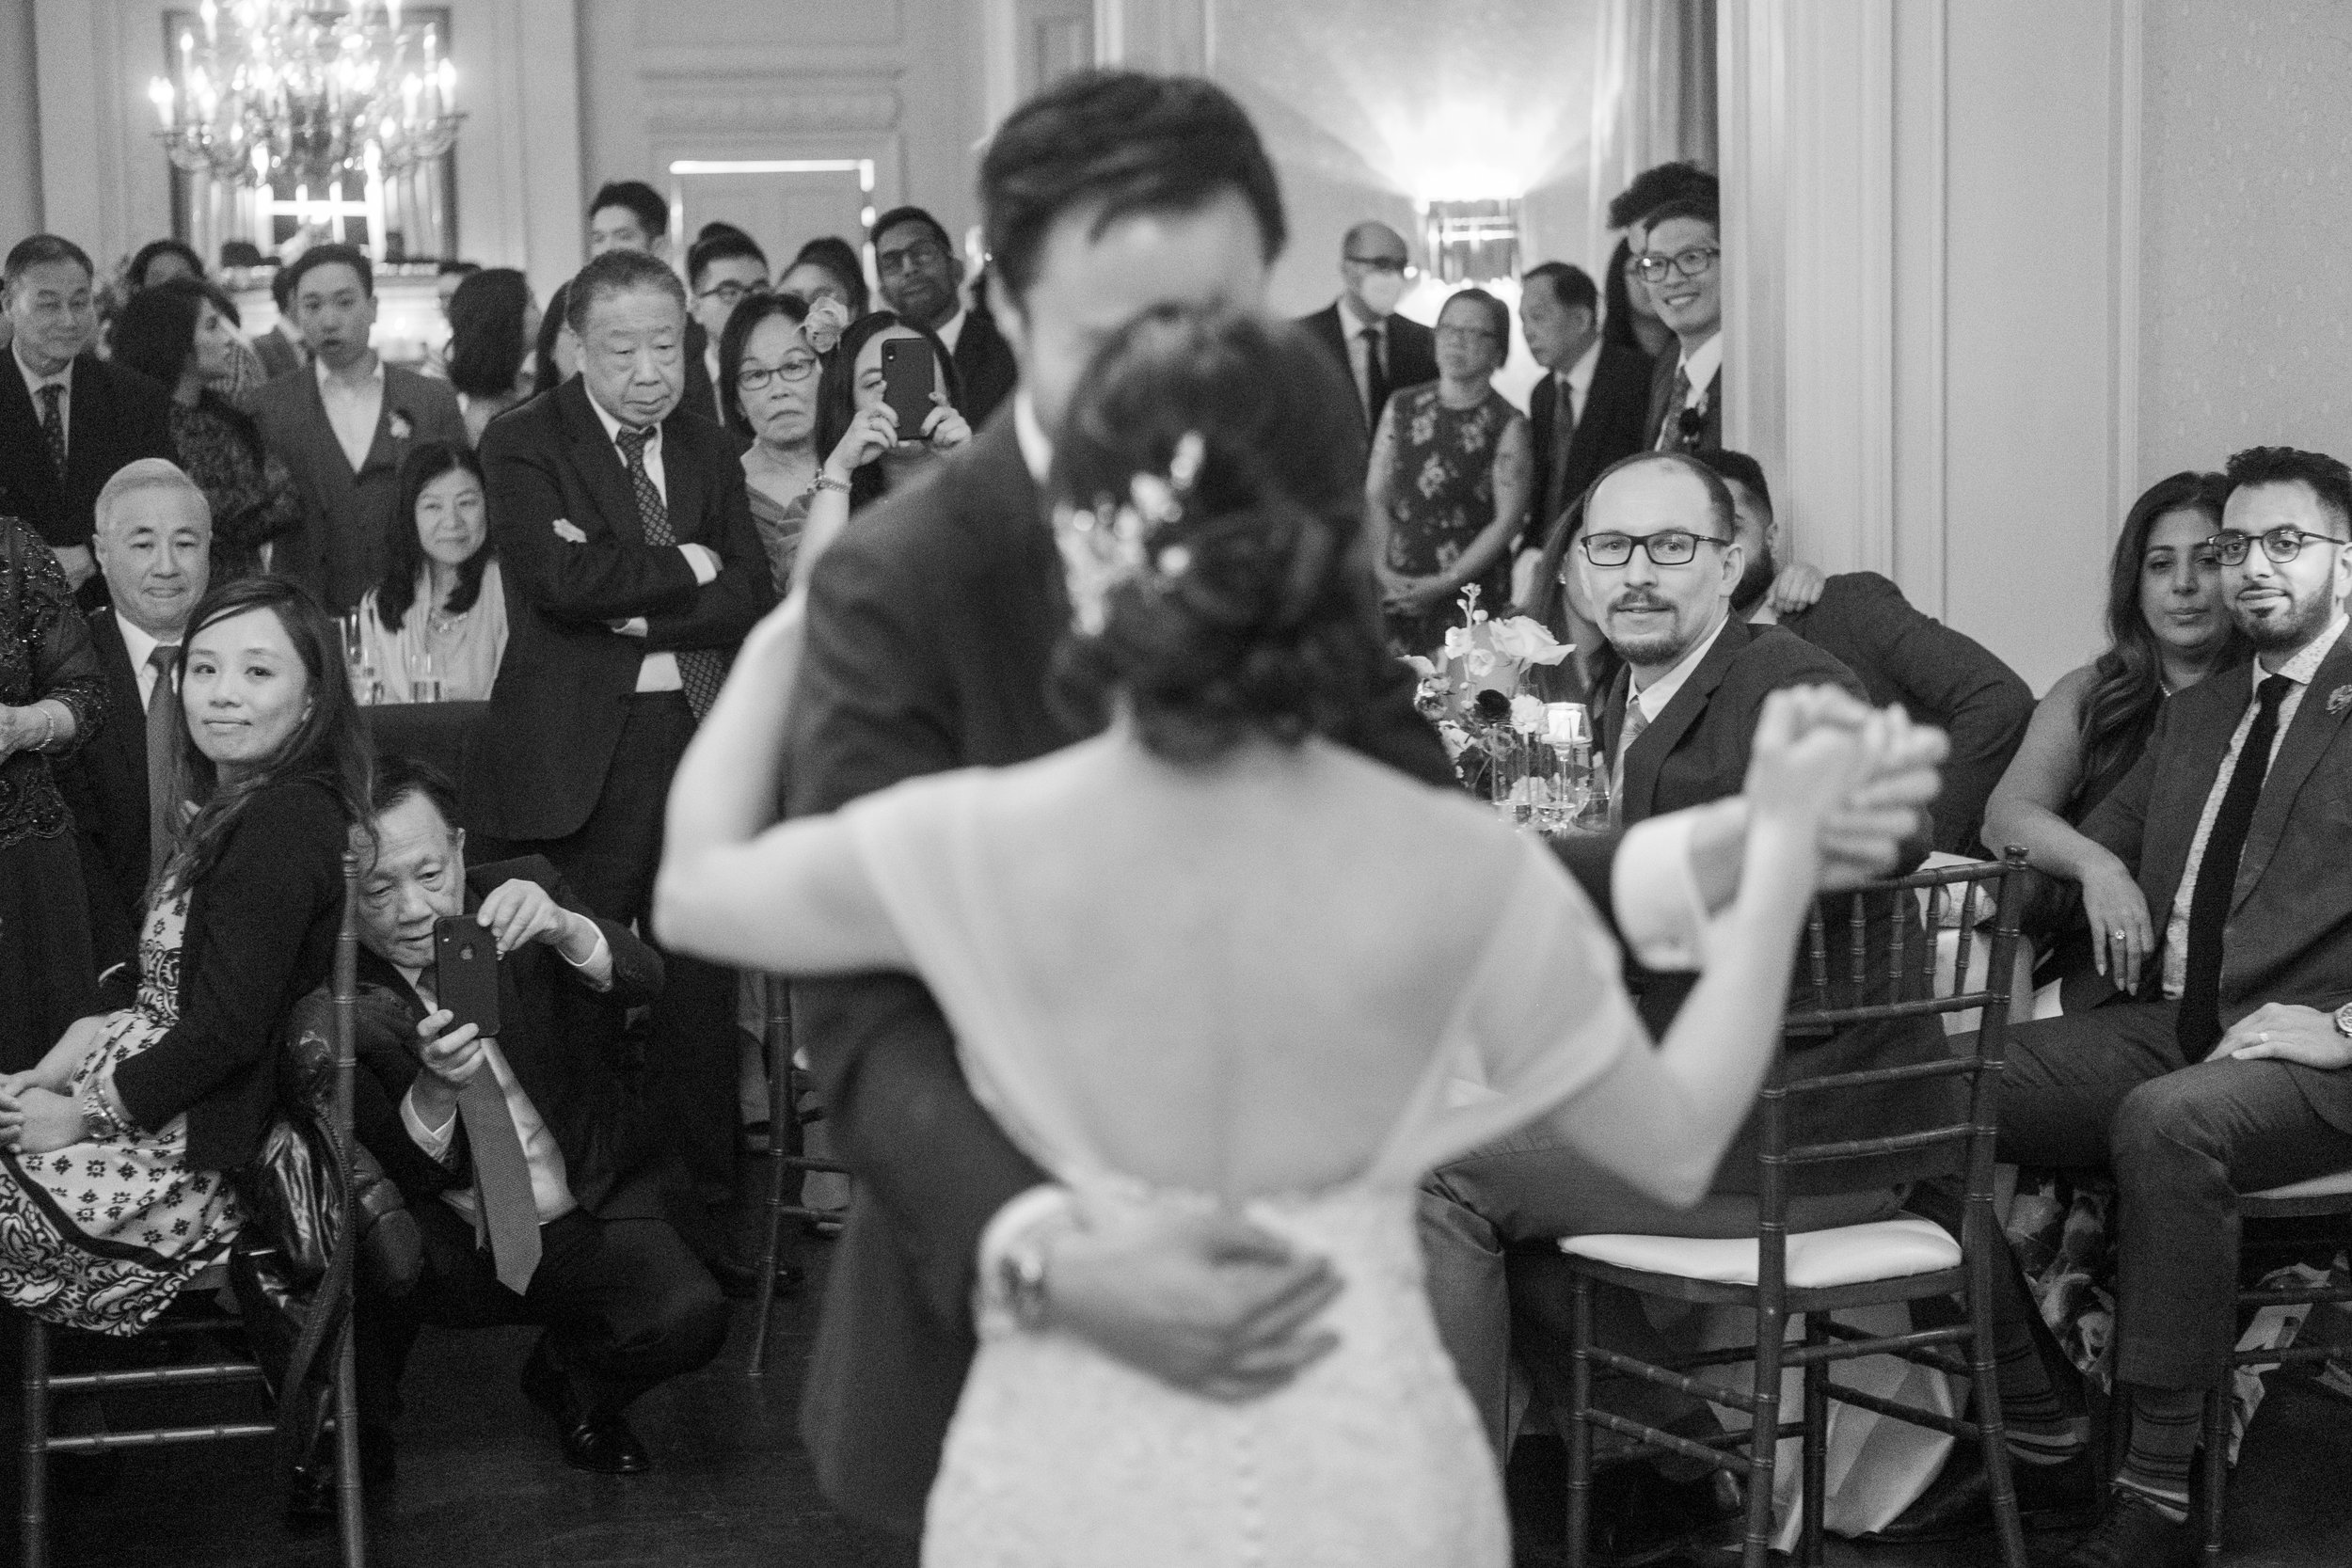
(530, 1166)
(1681, 264)
(630, 215)
(1941, 677)
(2226, 1065)
(1381, 350)
(632, 569)
(345, 429)
(1587, 411)
(922, 279)
(69, 419)
(155, 549)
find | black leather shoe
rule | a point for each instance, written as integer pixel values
(1638, 1516)
(740, 1281)
(1959, 1502)
(311, 1495)
(2133, 1532)
(592, 1439)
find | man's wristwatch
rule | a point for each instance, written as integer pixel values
(2343, 1021)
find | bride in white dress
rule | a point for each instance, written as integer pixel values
(1210, 958)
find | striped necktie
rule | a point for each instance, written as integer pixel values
(702, 671)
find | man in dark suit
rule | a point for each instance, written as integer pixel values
(1681, 262)
(720, 269)
(1940, 676)
(630, 215)
(343, 430)
(67, 419)
(1380, 349)
(2226, 1065)
(632, 569)
(922, 279)
(1587, 411)
(528, 1160)
(155, 549)
(933, 626)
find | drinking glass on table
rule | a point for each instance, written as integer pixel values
(424, 681)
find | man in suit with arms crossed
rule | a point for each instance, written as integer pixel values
(67, 419)
(1381, 350)
(632, 570)
(932, 625)
(922, 279)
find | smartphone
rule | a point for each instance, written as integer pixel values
(909, 371)
(465, 972)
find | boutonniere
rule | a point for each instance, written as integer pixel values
(2338, 700)
(399, 426)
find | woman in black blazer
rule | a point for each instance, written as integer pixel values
(114, 1151)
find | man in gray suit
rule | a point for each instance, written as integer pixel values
(345, 429)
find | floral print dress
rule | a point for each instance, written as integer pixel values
(104, 1235)
(1441, 498)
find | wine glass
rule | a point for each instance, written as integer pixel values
(424, 680)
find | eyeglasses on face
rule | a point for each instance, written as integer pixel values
(1379, 264)
(793, 368)
(731, 293)
(1697, 262)
(922, 253)
(2281, 545)
(1671, 547)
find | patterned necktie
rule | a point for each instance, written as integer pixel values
(1562, 441)
(53, 425)
(2198, 1027)
(1376, 376)
(1636, 721)
(701, 669)
(163, 757)
(1670, 428)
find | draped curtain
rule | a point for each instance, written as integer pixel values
(1653, 92)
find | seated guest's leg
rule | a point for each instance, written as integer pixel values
(626, 1306)
(2063, 1077)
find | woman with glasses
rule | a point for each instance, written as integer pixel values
(1453, 468)
(767, 377)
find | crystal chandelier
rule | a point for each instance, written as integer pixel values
(302, 89)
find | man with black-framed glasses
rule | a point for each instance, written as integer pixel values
(922, 279)
(1681, 264)
(724, 267)
(1381, 350)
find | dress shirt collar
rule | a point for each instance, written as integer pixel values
(34, 381)
(1578, 378)
(1037, 448)
(1655, 696)
(1355, 321)
(2304, 667)
(138, 644)
(612, 427)
(950, 330)
(329, 382)
(1700, 365)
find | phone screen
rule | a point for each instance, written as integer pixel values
(909, 373)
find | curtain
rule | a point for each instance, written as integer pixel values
(1653, 92)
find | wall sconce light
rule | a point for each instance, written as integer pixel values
(1473, 241)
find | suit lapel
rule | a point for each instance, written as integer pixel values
(19, 432)
(2187, 779)
(1650, 749)
(600, 462)
(384, 446)
(2307, 739)
(87, 448)
(319, 432)
(122, 683)
(683, 476)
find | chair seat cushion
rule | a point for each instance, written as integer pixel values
(2338, 1184)
(1845, 1255)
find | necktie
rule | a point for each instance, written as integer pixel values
(1376, 376)
(163, 757)
(503, 1209)
(702, 669)
(1563, 439)
(1670, 428)
(2199, 1027)
(53, 425)
(1636, 721)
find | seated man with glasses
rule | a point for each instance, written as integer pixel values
(2225, 1064)
(1660, 560)
(724, 267)
(1382, 351)
(1679, 264)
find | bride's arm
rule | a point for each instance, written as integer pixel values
(736, 886)
(1661, 1120)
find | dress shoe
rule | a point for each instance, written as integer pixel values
(740, 1281)
(1638, 1516)
(1959, 1504)
(593, 1438)
(2133, 1532)
(310, 1495)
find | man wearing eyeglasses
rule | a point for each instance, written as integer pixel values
(724, 265)
(1383, 351)
(2225, 1064)
(1680, 263)
(922, 279)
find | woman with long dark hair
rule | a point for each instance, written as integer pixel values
(858, 432)
(493, 332)
(181, 333)
(433, 627)
(172, 1092)
(768, 375)
(555, 348)
(1628, 319)
(2168, 629)
(827, 265)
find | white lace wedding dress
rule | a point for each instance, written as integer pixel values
(1105, 934)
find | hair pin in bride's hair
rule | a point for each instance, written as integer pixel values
(1105, 545)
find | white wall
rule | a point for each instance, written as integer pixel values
(19, 125)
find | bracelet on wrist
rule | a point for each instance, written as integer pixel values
(99, 1120)
(826, 482)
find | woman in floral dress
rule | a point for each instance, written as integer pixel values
(113, 1149)
(1450, 481)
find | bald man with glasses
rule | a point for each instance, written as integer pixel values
(1381, 350)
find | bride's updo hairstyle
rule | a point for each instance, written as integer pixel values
(1244, 608)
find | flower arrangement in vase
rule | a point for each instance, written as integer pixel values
(1471, 689)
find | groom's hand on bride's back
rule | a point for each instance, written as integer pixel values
(1205, 1302)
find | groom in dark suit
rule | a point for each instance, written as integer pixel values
(933, 626)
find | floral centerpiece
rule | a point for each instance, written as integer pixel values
(1470, 687)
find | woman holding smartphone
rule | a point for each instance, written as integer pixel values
(867, 450)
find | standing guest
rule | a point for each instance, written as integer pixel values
(67, 419)
(555, 354)
(493, 326)
(345, 429)
(179, 334)
(281, 347)
(1448, 487)
(922, 280)
(177, 1089)
(627, 215)
(158, 259)
(828, 266)
(1940, 676)
(633, 569)
(1381, 350)
(1588, 411)
(2168, 626)
(858, 432)
(1632, 317)
(153, 545)
(439, 612)
(236, 370)
(1680, 263)
(52, 697)
(770, 376)
(547, 1210)
(724, 269)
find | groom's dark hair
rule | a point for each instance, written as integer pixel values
(1122, 142)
